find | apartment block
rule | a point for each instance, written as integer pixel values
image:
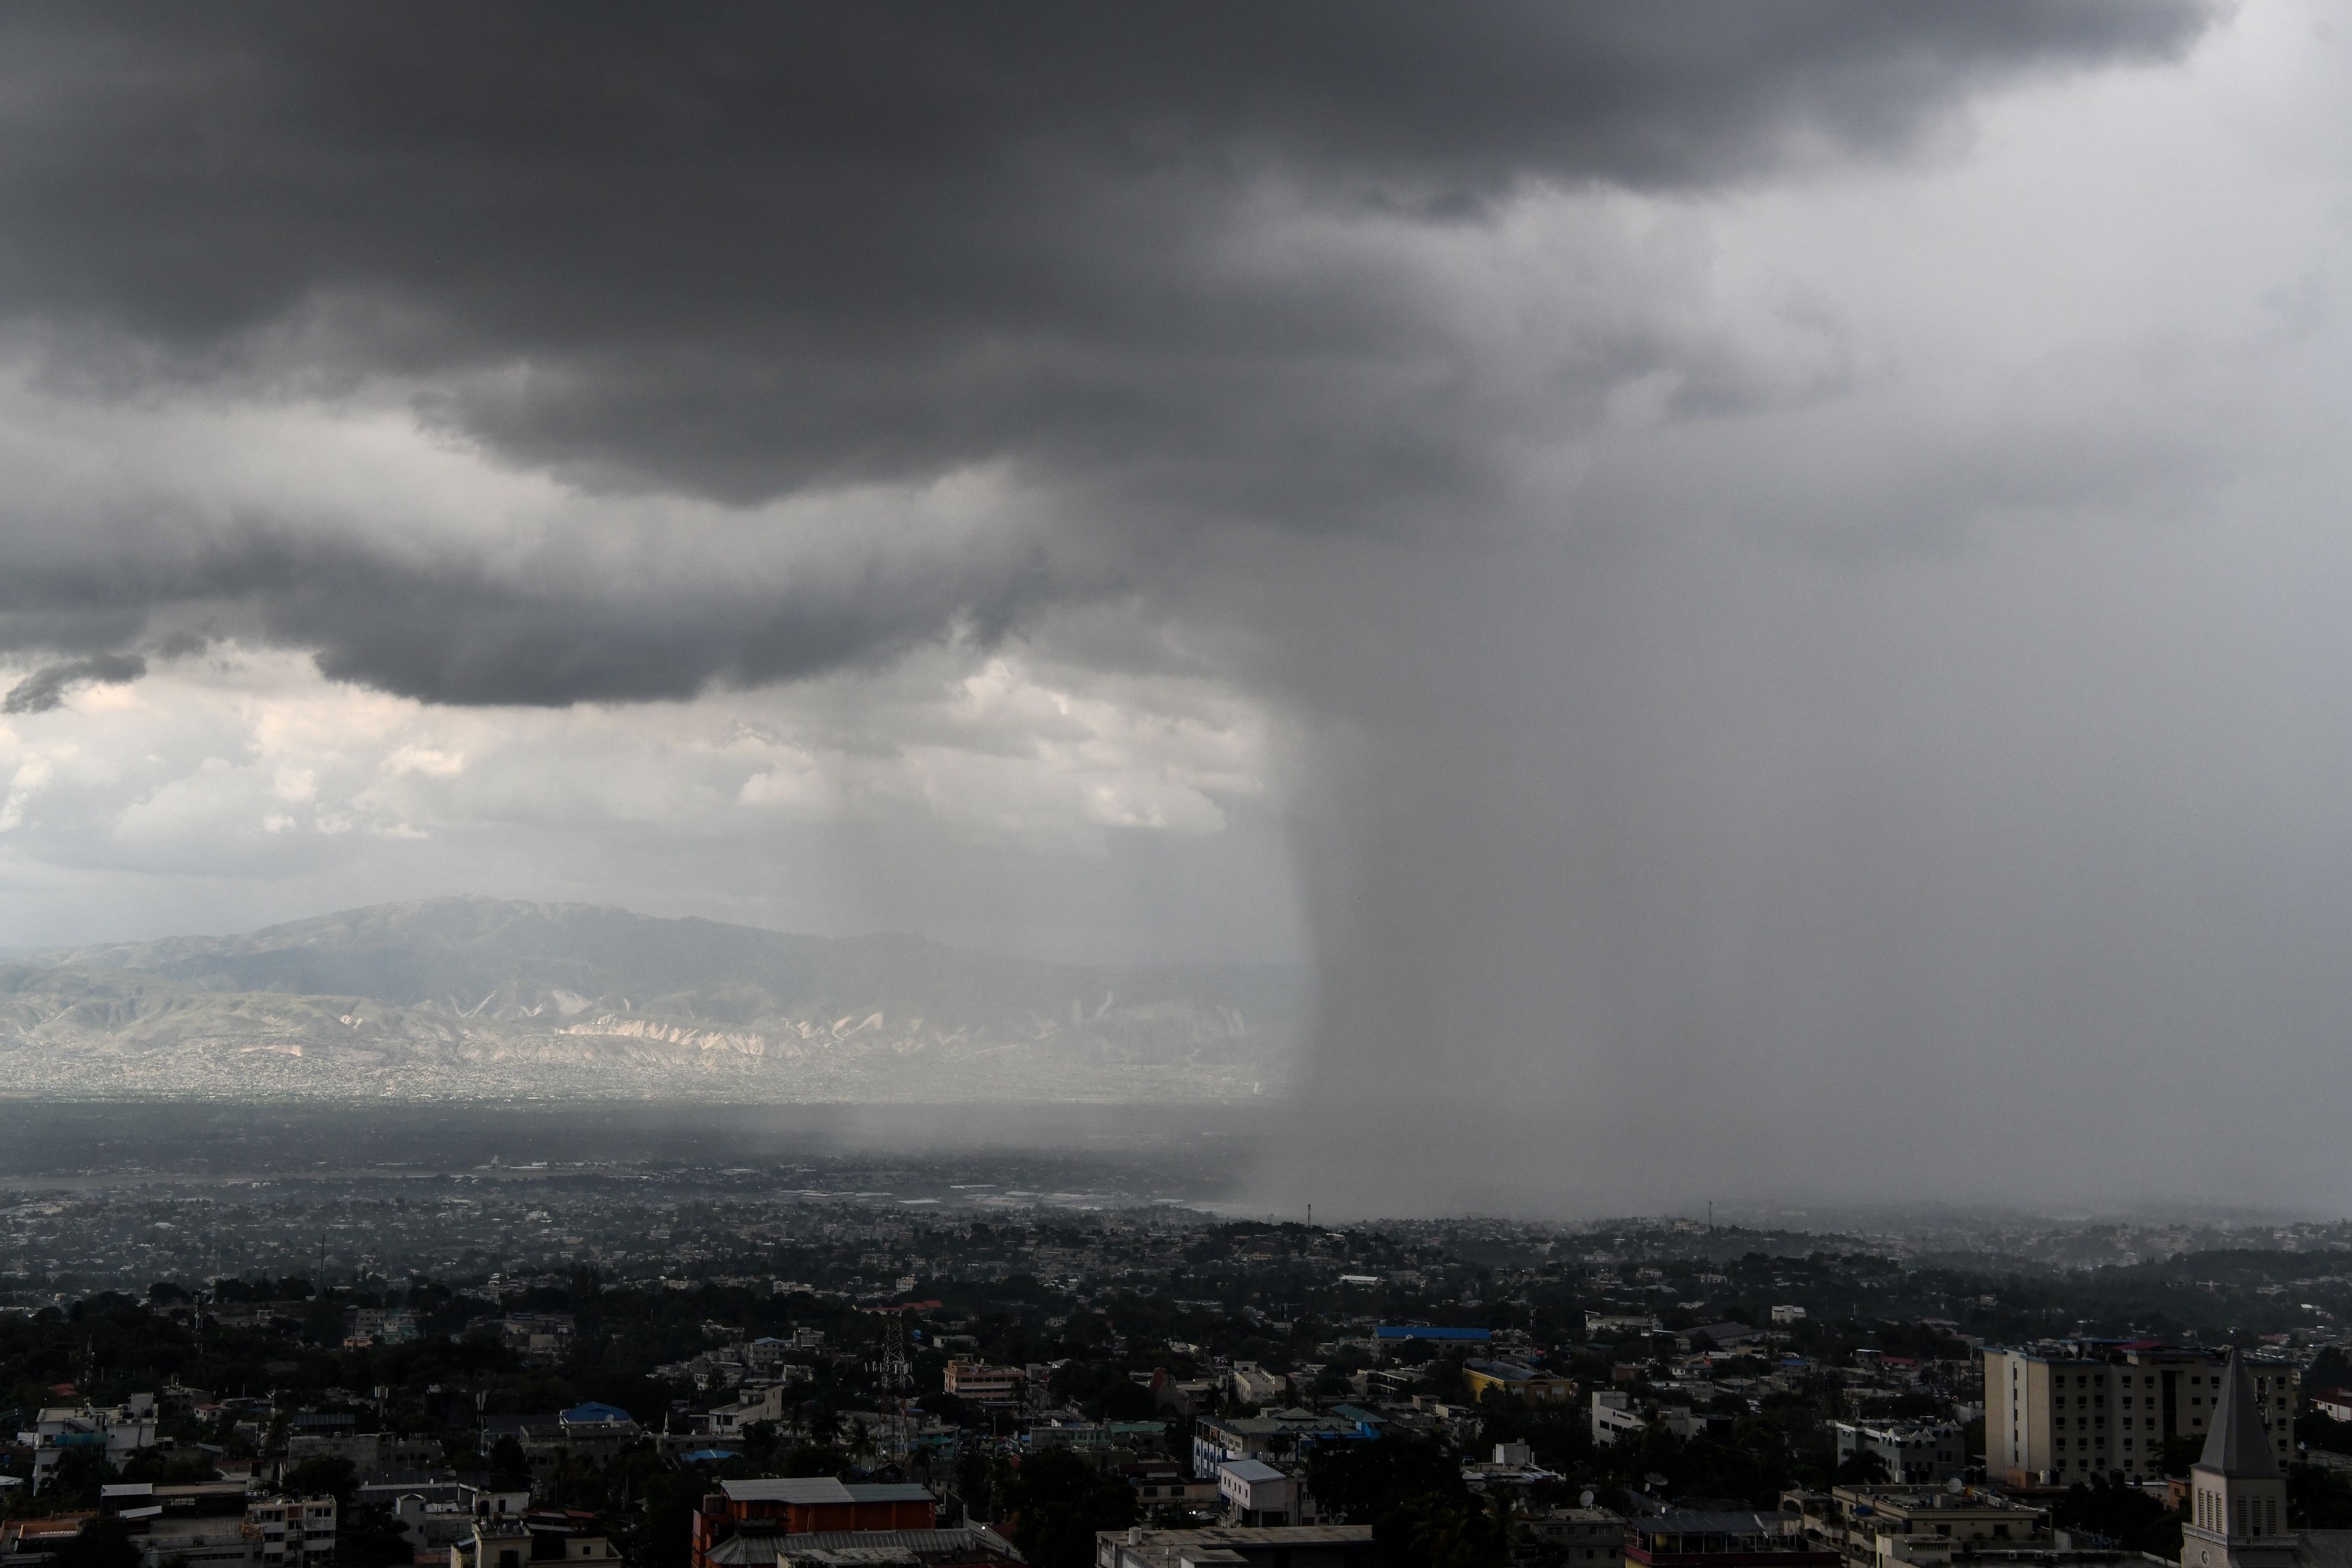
(2092, 1409)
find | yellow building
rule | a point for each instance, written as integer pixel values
(1522, 1382)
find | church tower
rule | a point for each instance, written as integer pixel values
(2237, 1513)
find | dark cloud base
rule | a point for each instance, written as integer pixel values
(46, 688)
(785, 248)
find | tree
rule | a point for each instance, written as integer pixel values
(1056, 1503)
(103, 1542)
(325, 1476)
(74, 1483)
(1356, 1482)
(663, 1536)
(2181, 1452)
(972, 1482)
(2124, 1515)
(508, 1462)
(1864, 1468)
(816, 1459)
(1432, 1531)
(369, 1536)
(2317, 1499)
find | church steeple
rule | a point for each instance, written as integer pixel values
(2237, 1516)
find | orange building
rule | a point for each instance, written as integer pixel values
(805, 1505)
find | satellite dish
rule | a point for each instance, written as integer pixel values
(1584, 1498)
(1955, 1486)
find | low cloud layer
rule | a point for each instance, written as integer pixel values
(46, 687)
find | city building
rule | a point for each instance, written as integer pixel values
(960, 1546)
(1251, 1385)
(2106, 1409)
(1614, 1414)
(985, 1385)
(1870, 1526)
(291, 1532)
(200, 1524)
(1272, 1434)
(1517, 1379)
(2336, 1403)
(1388, 1337)
(1164, 1484)
(1723, 1336)
(1581, 1537)
(1097, 1437)
(1914, 1451)
(1239, 1546)
(1254, 1492)
(28, 1542)
(761, 1509)
(113, 1432)
(1707, 1540)
(493, 1544)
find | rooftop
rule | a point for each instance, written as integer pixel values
(1167, 1548)
(806, 1491)
(827, 1548)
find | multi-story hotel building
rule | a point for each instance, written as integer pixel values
(2107, 1409)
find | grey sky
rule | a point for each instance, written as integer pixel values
(1719, 569)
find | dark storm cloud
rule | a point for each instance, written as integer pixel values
(46, 689)
(790, 247)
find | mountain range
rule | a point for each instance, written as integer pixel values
(483, 998)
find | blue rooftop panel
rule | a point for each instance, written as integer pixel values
(579, 1415)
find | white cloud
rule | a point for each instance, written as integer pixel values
(245, 763)
(424, 759)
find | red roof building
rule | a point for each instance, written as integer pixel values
(804, 1505)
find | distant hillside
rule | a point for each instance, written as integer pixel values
(487, 998)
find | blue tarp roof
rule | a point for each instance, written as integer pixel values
(1419, 1331)
(591, 1411)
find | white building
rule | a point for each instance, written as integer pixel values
(1255, 1493)
(292, 1532)
(1252, 1386)
(1614, 1415)
(198, 1524)
(112, 1431)
(1914, 1451)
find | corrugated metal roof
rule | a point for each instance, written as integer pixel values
(801, 1490)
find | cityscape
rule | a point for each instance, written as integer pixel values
(1545, 784)
(645, 1359)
